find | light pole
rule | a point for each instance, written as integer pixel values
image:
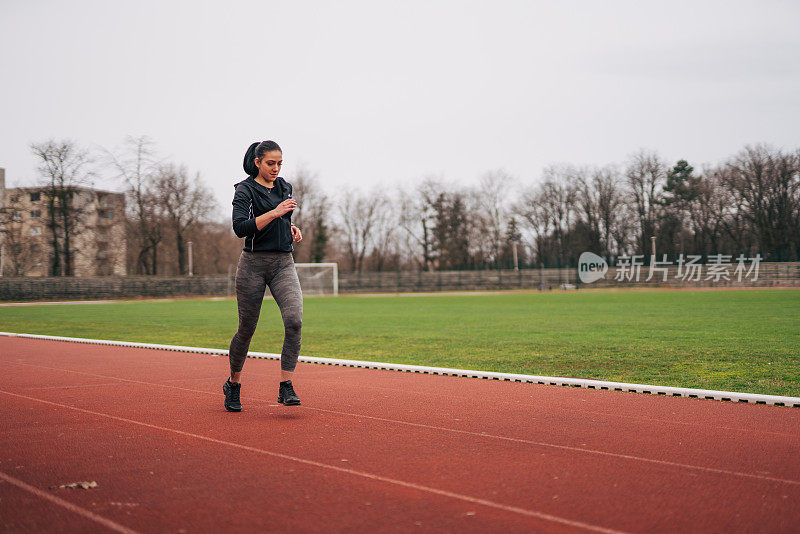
(516, 261)
(230, 279)
(189, 244)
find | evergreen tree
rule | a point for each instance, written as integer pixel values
(681, 186)
(451, 241)
(319, 241)
(513, 235)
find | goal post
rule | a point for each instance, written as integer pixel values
(318, 278)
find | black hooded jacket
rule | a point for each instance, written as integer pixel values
(253, 199)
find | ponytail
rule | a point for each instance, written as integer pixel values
(257, 150)
(249, 164)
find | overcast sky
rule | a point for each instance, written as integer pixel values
(371, 93)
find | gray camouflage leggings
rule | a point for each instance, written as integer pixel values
(257, 271)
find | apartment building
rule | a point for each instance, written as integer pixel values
(26, 232)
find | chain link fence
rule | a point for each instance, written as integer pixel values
(786, 274)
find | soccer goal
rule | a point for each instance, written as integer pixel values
(318, 278)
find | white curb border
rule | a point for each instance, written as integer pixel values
(732, 396)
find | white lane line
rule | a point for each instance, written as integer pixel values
(72, 387)
(363, 474)
(730, 396)
(569, 448)
(467, 432)
(333, 369)
(325, 369)
(189, 379)
(582, 411)
(690, 424)
(66, 504)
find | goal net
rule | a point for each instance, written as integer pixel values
(318, 278)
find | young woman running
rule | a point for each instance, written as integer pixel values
(262, 215)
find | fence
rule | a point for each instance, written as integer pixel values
(29, 289)
(769, 275)
(772, 274)
(402, 282)
(21, 289)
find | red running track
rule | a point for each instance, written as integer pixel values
(372, 450)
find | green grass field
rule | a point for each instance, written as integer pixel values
(746, 340)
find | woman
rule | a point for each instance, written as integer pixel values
(262, 215)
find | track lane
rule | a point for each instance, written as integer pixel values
(179, 463)
(347, 428)
(663, 445)
(44, 512)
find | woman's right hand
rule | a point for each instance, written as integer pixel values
(285, 207)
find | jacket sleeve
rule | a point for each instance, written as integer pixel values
(244, 222)
(289, 213)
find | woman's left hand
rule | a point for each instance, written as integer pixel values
(297, 235)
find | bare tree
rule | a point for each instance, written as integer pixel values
(385, 230)
(646, 174)
(307, 192)
(312, 210)
(491, 211)
(215, 248)
(710, 213)
(64, 168)
(586, 233)
(765, 182)
(534, 223)
(136, 165)
(17, 248)
(547, 211)
(557, 204)
(181, 202)
(417, 217)
(599, 199)
(359, 214)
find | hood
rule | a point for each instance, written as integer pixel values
(250, 181)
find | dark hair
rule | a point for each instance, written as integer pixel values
(257, 150)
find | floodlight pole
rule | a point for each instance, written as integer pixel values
(230, 270)
(516, 260)
(653, 241)
(189, 245)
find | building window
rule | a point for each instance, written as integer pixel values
(107, 214)
(16, 215)
(15, 199)
(36, 230)
(35, 249)
(35, 214)
(35, 196)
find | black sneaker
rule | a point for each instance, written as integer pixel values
(231, 391)
(286, 394)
